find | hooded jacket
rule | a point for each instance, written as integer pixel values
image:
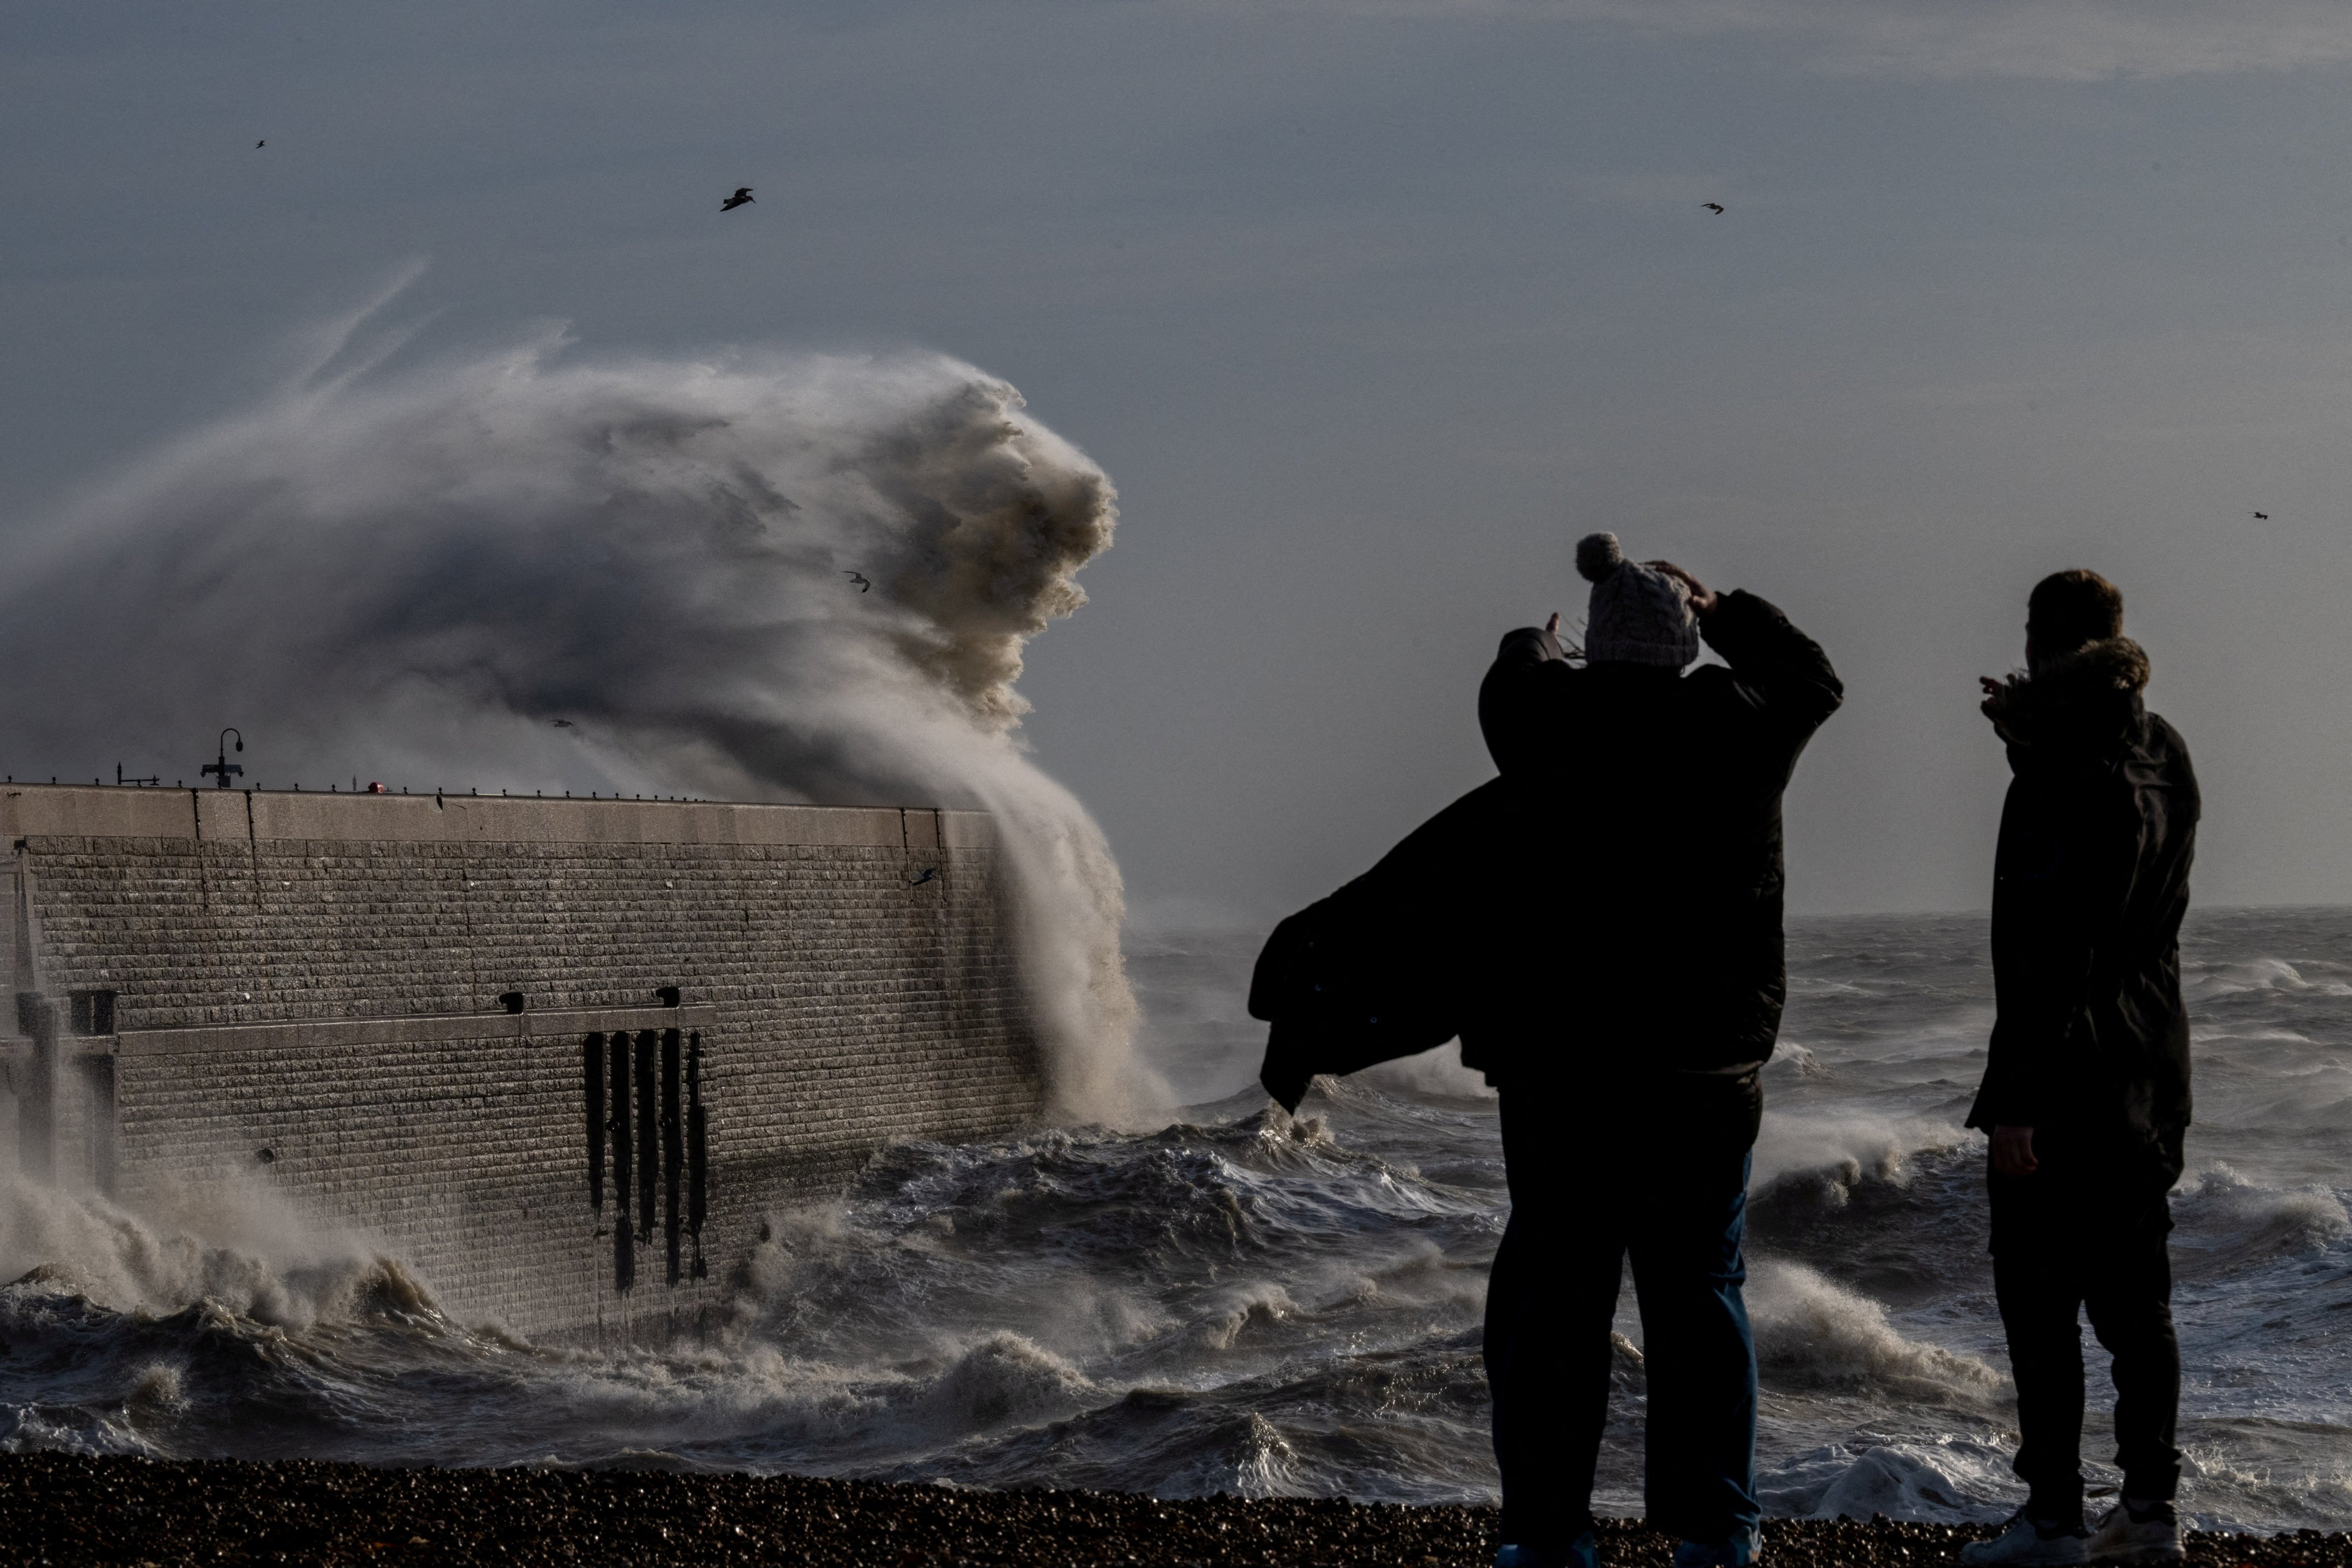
(2090, 1042)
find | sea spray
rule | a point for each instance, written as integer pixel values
(755, 576)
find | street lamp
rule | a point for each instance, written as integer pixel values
(224, 767)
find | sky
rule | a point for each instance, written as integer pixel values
(1369, 309)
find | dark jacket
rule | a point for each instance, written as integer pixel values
(1610, 907)
(1390, 964)
(1660, 796)
(2090, 1041)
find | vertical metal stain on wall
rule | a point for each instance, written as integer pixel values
(673, 1155)
(648, 1136)
(698, 1152)
(591, 1082)
(624, 1252)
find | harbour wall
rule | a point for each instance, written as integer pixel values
(559, 1056)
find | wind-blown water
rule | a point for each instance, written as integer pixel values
(523, 569)
(1235, 1303)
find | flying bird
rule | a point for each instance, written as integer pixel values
(258, 146)
(563, 723)
(2261, 517)
(742, 193)
(1714, 208)
(865, 583)
(930, 874)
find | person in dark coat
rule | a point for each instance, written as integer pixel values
(2085, 1092)
(1628, 1038)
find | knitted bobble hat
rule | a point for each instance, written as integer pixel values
(1636, 615)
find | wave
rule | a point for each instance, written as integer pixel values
(2225, 1223)
(1438, 1073)
(416, 575)
(1814, 1333)
(1949, 1480)
(1825, 1156)
(248, 1256)
(2211, 980)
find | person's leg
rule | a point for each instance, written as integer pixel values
(2129, 1299)
(1549, 1300)
(1689, 1267)
(2036, 1276)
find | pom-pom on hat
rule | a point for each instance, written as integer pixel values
(1596, 555)
(1636, 615)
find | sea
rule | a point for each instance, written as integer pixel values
(1241, 1301)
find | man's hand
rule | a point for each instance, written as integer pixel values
(1995, 696)
(1702, 602)
(1551, 626)
(2012, 1152)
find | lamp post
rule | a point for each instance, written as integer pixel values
(224, 767)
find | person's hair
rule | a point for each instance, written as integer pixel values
(2068, 609)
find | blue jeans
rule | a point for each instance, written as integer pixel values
(1584, 1196)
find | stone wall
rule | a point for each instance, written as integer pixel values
(311, 1005)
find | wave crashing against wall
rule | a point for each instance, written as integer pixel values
(422, 572)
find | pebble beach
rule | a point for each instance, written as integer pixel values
(64, 1509)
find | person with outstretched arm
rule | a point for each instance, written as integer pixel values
(2085, 1092)
(1627, 1032)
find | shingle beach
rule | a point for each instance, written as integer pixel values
(67, 1509)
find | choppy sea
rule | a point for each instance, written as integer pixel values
(1243, 1302)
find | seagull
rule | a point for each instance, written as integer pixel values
(742, 193)
(258, 146)
(563, 723)
(2261, 517)
(930, 874)
(865, 583)
(1714, 208)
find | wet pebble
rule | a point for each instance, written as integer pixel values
(70, 1510)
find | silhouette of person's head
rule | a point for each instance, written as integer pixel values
(2068, 610)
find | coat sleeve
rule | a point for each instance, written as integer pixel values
(1782, 676)
(1520, 702)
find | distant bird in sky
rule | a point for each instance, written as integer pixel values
(865, 583)
(563, 723)
(930, 874)
(742, 193)
(1714, 208)
(2261, 517)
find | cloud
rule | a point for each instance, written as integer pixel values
(2053, 40)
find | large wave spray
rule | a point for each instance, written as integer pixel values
(414, 576)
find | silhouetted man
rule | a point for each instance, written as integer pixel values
(2086, 1094)
(1627, 1030)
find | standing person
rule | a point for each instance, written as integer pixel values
(2085, 1093)
(1628, 1046)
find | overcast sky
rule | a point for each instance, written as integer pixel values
(1370, 309)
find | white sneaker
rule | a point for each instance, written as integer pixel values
(2136, 1532)
(2025, 1541)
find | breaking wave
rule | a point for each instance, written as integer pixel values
(413, 575)
(1812, 1332)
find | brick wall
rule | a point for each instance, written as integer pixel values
(320, 977)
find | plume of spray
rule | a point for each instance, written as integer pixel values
(420, 572)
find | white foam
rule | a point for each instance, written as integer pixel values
(1947, 1480)
(416, 573)
(1812, 1332)
(236, 1250)
(1437, 1072)
(1834, 1151)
